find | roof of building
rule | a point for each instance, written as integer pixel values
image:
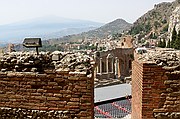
(112, 92)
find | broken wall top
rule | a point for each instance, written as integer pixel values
(30, 62)
(164, 58)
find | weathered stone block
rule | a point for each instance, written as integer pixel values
(75, 99)
(52, 98)
(73, 103)
(58, 95)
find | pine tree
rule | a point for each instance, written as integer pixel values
(163, 43)
(174, 35)
(160, 43)
(169, 44)
(177, 41)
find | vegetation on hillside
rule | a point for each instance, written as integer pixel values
(174, 43)
(162, 44)
(154, 22)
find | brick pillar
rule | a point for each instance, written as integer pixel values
(147, 87)
(137, 77)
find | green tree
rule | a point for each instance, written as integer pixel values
(160, 43)
(165, 28)
(169, 44)
(137, 29)
(163, 43)
(177, 41)
(156, 24)
(173, 38)
(148, 27)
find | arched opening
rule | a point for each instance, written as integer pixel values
(110, 65)
(103, 67)
(130, 64)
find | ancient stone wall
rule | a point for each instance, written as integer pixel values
(169, 106)
(61, 94)
(155, 91)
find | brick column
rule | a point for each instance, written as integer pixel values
(137, 77)
(147, 86)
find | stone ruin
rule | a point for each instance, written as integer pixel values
(16, 113)
(162, 58)
(156, 85)
(56, 61)
(54, 85)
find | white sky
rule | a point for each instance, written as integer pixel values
(95, 10)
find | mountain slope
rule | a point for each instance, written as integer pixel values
(65, 32)
(40, 27)
(155, 22)
(116, 26)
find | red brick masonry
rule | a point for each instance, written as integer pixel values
(60, 91)
(155, 91)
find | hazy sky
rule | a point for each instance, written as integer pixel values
(96, 10)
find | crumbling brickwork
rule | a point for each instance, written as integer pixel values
(155, 91)
(169, 107)
(67, 94)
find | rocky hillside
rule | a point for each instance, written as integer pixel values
(116, 26)
(155, 22)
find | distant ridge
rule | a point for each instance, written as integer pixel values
(116, 26)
